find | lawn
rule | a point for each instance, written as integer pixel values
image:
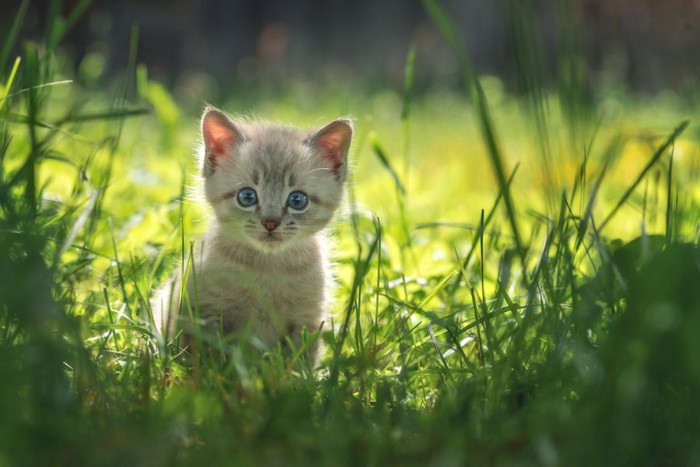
(517, 279)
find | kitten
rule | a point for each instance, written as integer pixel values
(262, 265)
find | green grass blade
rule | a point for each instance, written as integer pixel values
(527, 44)
(669, 205)
(381, 155)
(12, 34)
(58, 27)
(123, 327)
(79, 223)
(362, 268)
(5, 90)
(654, 159)
(440, 18)
(406, 107)
(120, 274)
(611, 151)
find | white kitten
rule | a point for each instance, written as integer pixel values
(262, 265)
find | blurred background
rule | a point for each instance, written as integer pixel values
(209, 47)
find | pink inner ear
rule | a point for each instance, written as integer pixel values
(219, 136)
(332, 144)
(219, 141)
(333, 153)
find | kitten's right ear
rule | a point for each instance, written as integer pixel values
(333, 142)
(220, 136)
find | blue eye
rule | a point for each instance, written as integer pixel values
(247, 197)
(297, 200)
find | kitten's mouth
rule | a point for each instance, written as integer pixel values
(270, 238)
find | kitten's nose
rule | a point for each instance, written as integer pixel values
(271, 224)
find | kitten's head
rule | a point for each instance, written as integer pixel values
(273, 186)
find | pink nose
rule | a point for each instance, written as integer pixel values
(271, 224)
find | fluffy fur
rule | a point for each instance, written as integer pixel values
(262, 266)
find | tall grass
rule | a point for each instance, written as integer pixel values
(546, 321)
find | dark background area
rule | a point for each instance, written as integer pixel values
(649, 45)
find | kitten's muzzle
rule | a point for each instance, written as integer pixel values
(270, 224)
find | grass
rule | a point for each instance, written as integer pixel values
(517, 278)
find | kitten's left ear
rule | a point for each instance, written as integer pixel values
(220, 136)
(333, 142)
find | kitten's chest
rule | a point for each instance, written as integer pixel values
(284, 287)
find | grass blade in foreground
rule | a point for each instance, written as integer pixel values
(654, 159)
(487, 128)
(12, 34)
